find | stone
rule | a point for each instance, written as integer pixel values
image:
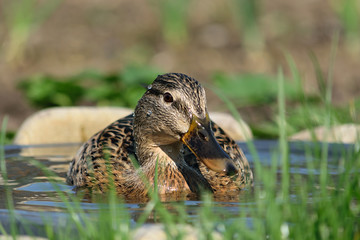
(66, 124)
(78, 124)
(237, 130)
(346, 133)
(22, 237)
(157, 232)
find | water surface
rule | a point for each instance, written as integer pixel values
(36, 198)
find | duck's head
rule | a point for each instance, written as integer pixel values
(173, 110)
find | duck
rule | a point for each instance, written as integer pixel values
(168, 145)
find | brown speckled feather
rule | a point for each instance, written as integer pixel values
(116, 142)
(171, 113)
(220, 182)
(112, 150)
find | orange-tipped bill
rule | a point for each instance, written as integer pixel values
(201, 141)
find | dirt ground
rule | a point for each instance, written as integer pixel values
(107, 34)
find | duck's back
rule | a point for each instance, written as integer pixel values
(107, 151)
(112, 150)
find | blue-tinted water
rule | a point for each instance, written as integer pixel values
(36, 198)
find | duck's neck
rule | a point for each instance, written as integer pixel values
(149, 152)
(174, 175)
(163, 161)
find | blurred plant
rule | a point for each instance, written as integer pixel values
(120, 89)
(246, 14)
(349, 15)
(23, 17)
(252, 89)
(47, 91)
(8, 136)
(258, 91)
(306, 110)
(317, 198)
(174, 20)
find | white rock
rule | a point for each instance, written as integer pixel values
(66, 124)
(22, 237)
(157, 232)
(237, 130)
(77, 124)
(346, 133)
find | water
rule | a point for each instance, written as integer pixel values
(36, 199)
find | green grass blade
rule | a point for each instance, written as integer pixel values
(231, 107)
(3, 170)
(329, 113)
(284, 149)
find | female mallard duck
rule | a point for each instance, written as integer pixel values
(170, 131)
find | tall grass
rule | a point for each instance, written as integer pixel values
(284, 150)
(4, 177)
(309, 215)
(23, 17)
(174, 21)
(246, 14)
(317, 205)
(348, 12)
(320, 207)
(268, 218)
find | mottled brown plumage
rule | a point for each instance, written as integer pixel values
(170, 130)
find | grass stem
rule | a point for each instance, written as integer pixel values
(284, 149)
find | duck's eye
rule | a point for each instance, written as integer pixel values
(168, 98)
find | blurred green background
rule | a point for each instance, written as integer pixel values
(64, 53)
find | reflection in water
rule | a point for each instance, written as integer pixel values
(34, 192)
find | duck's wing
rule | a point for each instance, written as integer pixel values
(219, 180)
(231, 148)
(111, 147)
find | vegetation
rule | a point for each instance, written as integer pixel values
(174, 21)
(8, 136)
(247, 13)
(244, 90)
(307, 109)
(320, 207)
(285, 203)
(22, 19)
(90, 87)
(348, 12)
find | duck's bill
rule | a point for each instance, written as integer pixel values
(201, 141)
